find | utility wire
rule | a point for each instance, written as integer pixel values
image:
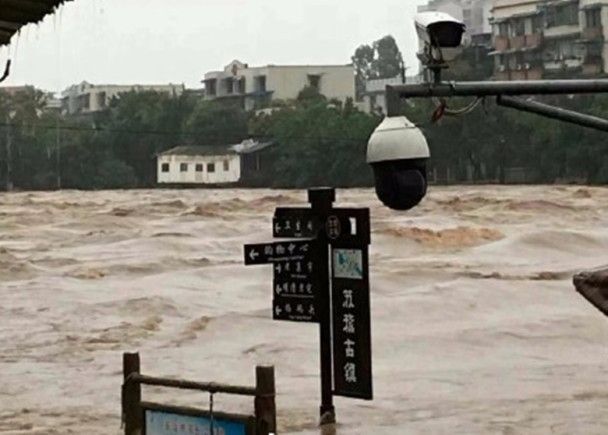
(168, 133)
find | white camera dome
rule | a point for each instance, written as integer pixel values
(397, 138)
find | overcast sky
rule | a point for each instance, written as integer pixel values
(177, 41)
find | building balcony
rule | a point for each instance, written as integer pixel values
(516, 43)
(563, 65)
(534, 40)
(592, 33)
(593, 65)
(502, 75)
(501, 43)
(592, 69)
(530, 73)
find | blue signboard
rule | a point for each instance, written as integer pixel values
(164, 423)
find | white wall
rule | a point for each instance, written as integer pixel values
(286, 81)
(191, 176)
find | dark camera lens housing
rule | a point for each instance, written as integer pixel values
(401, 184)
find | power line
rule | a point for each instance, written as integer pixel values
(201, 135)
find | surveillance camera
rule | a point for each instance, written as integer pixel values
(439, 29)
(398, 153)
(441, 35)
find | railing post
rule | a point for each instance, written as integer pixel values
(131, 395)
(265, 405)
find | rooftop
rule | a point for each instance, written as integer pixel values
(246, 147)
(199, 151)
(15, 14)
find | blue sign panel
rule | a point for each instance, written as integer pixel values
(163, 423)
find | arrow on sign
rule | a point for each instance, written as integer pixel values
(253, 254)
(278, 310)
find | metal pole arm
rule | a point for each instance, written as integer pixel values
(553, 112)
(488, 89)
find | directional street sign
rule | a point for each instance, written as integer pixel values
(294, 223)
(266, 253)
(306, 289)
(295, 285)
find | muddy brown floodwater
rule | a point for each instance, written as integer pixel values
(476, 326)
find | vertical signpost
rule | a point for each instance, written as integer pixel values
(321, 275)
(351, 310)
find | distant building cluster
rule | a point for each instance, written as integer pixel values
(546, 39)
(256, 87)
(87, 98)
(535, 39)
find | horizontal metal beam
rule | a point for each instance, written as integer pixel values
(190, 385)
(553, 112)
(490, 88)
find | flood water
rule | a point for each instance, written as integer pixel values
(476, 325)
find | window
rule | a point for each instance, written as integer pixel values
(101, 100)
(563, 15)
(260, 84)
(593, 17)
(165, 167)
(85, 101)
(199, 167)
(226, 165)
(183, 167)
(537, 24)
(211, 87)
(210, 167)
(503, 29)
(519, 28)
(372, 102)
(228, 85)
(466, 17)
(314, 81)
(242, 85)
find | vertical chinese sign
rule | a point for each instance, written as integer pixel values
(352, 354)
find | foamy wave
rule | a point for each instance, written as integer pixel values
(536, 276)
(460, 237)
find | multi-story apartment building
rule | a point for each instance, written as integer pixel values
(549, 38)
(87, 98)
(255, 87)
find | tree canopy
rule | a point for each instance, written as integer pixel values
(380, 60)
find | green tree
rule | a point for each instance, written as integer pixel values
(388, 61)
(318, 143)
(380, 60)
(216, 123)
(363, 60)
